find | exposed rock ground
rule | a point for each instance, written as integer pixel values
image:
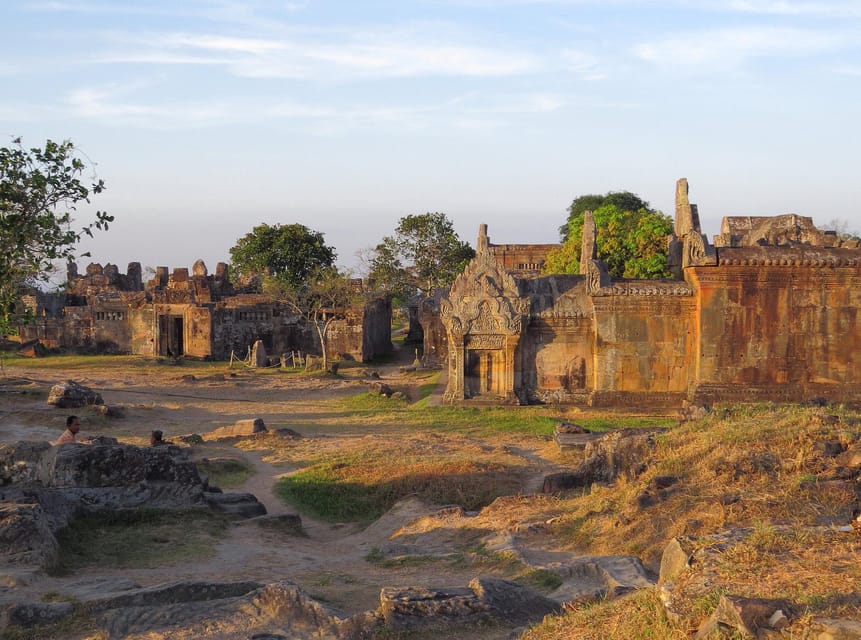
(259, 578)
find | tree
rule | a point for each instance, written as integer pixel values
(425, 253)
(632, 241)
(40, 189)
(325, 295)
(290, 253)
(625, 200)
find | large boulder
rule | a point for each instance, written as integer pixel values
(71, 395)
(244, 427)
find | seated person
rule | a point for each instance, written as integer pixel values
(155, 438)
(73, 426)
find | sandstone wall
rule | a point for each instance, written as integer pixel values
(779, 323)
(141, 328)
(642, 349)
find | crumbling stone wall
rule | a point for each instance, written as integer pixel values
(194, 314)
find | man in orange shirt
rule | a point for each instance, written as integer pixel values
(73, 426)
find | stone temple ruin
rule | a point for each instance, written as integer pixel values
(770, 311)
(198, 315)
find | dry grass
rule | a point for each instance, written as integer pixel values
(639, 616)
(760, 467)
(362, 480)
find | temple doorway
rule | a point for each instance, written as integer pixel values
(481, 375)
(170, 333)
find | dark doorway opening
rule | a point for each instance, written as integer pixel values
(170, 336)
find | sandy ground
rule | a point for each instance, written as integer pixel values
(329, 562)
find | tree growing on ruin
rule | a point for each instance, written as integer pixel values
(325, 295)
(424, 253)
(289, 253)
(40, 189)
(631, 237)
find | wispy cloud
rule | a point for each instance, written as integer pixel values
(729, 48)
(115, 105)
(333, 54)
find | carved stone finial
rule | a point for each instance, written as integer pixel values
(683, 222)
(588, 248)
(483, 240)
(199, 268)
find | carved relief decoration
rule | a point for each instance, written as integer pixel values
(484, 299)
(597, 278)
(698, 252)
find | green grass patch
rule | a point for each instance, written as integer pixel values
(226, 473)
(139, 539)
(479, 420)
(377, 557)
(475, 420)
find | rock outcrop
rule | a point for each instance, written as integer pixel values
(242, 610)
(43, 488)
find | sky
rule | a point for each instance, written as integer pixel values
(208, 117)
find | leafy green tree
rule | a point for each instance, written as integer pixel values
(40, 189)
(424, 253)
(632, 241)
(289, 253)
(625, 200)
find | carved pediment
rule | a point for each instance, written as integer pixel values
(484, 299)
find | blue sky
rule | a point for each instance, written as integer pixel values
(207, 117)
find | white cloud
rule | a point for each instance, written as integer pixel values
(729, 48)
(832, 8)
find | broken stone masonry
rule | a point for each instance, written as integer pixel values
(770, 311)
(198, 315)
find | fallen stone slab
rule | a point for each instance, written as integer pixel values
(414, 609)
(745, 616)
(597, 577)
(835, 629)
(32, 349)
(36, 614)
(241, 505)
(245, 427)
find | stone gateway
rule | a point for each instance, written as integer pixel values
(769, 311)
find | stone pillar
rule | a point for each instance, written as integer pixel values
(588, 248)
(258, 354)
(454, 390)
